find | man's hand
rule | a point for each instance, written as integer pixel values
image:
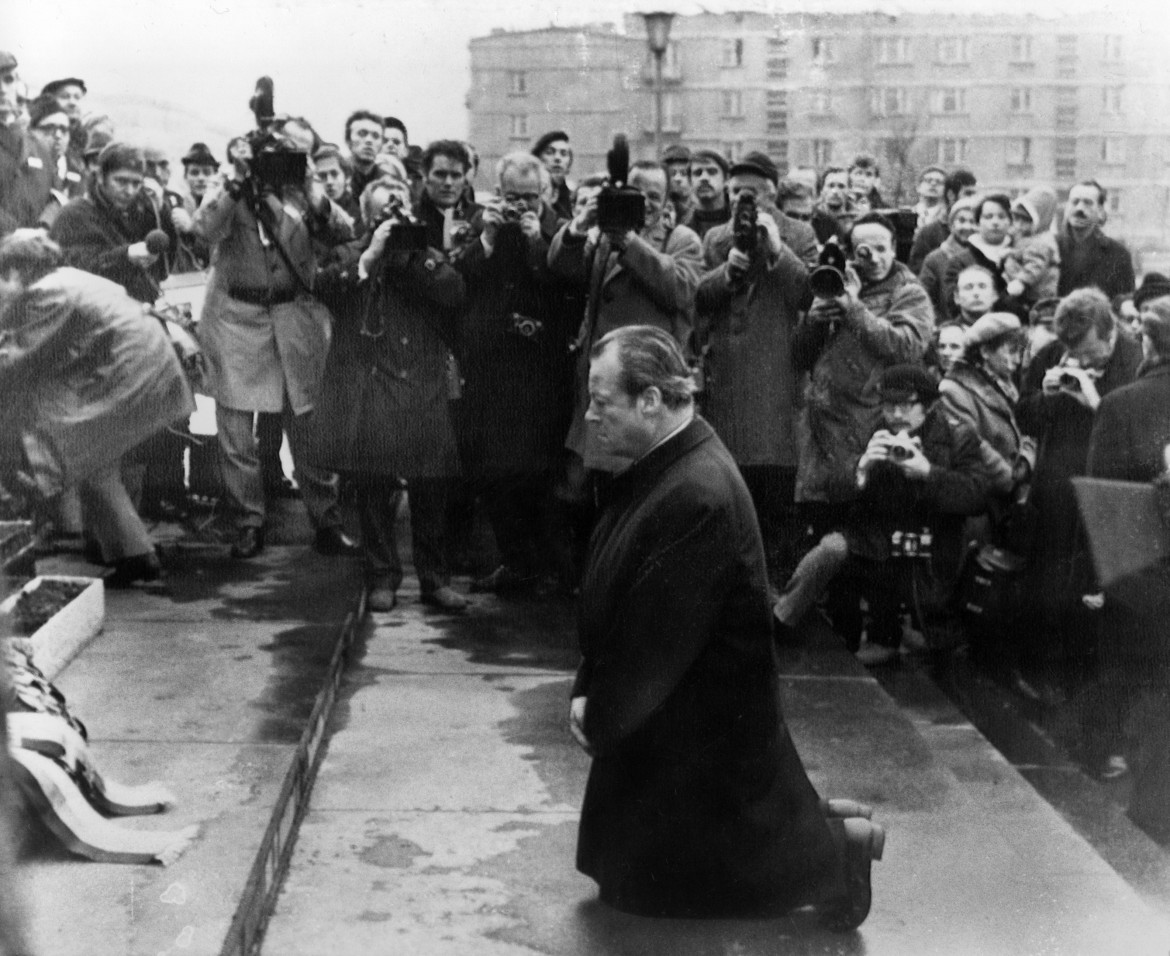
(530, 226)
(1015, 288)
(917, 466)
(141, 256)
(182, 219)
(577, 723)
(852, 295)
(493, 219)
(620, 238)
(373, 254)
(878, 449)
(772, 230)
(586, 219)
(1061, 379)
(738, 263)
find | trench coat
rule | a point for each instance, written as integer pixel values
(891, 324)
(517, 390)
(745, 327)
(384, 405)
(86, 375)
(255, 354)
(697, 803)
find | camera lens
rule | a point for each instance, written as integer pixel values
(826, 282)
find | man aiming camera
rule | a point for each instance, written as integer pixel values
(264, 334)
(878, 315)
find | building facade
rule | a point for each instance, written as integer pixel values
(1020, 100)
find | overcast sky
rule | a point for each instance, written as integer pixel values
(407, 57)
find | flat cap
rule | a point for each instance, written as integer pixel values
(758, 163)
(991, 326)
(53, 87)
(903, 383)
(676, 153)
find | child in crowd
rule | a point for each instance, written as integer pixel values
(1032, 267)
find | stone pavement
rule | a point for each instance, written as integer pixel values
(443, 822)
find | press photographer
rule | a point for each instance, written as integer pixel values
(747, 307)
(384, 413)
(264, 334)
(876, 315)
(900, 542)
(518, 376)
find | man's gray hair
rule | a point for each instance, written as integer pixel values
(522, 162)
(650, 358)
(31, 253)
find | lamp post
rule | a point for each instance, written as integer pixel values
(657, 36)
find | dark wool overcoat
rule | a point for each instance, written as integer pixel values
(384, 399)
(518, 388)
(697, 803)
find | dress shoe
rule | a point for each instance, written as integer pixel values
(505, 580)
(138, 568)
(249, 543)
(875, 655)
(382, 598)
(839, 809)
(445, 598)
(336, 543)
(863, 843)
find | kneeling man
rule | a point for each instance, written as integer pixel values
(697, 802)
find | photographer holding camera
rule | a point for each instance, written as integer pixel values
(642, 273)
(517, 389)
(1092, 355)
(264, 334)
(747, 308)
(901, 540)
(873, 314)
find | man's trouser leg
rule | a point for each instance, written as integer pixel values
(112, 517)
(428, 499)
(812, 575)
(319, 488)
(379, 500)
(240, 465)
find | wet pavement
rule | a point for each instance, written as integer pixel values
(444, 816)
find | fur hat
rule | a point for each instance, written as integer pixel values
(902, 383)
(991, 326)
(1154, 286)
(199, 155)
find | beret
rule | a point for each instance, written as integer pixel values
(54, 86)
(550, 137)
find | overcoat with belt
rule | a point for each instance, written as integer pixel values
(697, 803)
(257, 352)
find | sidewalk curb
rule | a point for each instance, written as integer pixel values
(276, 847)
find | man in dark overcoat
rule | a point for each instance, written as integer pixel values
(517, 373)
(697, 803)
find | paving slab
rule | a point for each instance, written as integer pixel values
(206, 688)
(444, 819)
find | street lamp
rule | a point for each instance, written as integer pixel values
(657, 36)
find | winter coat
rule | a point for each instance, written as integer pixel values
(257, 353)
(955, 489)
(86, 375)
(95, 237)
(652, 282)
(1131, 427)
(384, 399)
(1096, 261)
(26, 179)
(697, 803)
(971, 396)
(517, 388)
(933, 273)
(891, 324)
(745, 327)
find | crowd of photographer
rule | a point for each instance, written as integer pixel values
(907, 390)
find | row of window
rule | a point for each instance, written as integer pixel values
(955, 50)
(950, 151)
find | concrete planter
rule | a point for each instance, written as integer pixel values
(56, 642)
